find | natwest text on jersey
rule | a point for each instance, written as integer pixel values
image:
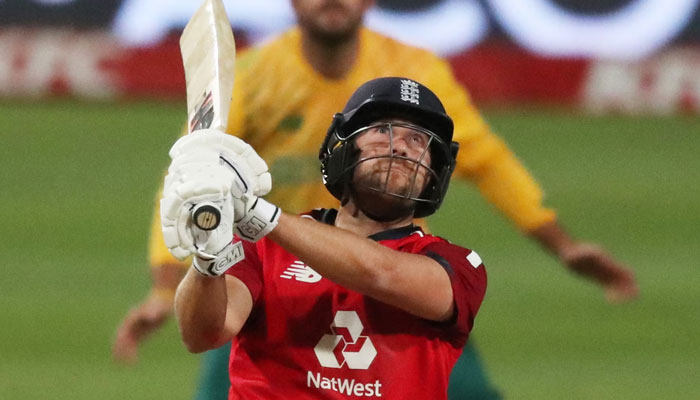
(343, 385)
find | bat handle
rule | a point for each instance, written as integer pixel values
(206, 216)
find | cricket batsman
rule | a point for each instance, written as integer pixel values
(381, 310)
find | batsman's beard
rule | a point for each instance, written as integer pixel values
(386, 188)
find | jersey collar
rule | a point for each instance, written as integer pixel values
(327, 216)
(396, 233)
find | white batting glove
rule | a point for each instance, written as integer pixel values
(211, 259)
(213, 250)
(211, 166)
(203, 184)
(194, 178)
(254, 217)
(213, 146)
(221, 262)
(184, 189)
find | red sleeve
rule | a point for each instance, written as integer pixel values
(249, 271)
(468, 278)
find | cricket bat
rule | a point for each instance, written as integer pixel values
(208, 56)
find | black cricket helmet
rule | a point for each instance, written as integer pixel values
(381, 99)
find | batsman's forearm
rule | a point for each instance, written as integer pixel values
(338, 255)
(414, 283)
(200, 308)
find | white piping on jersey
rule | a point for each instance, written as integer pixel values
(474, 259)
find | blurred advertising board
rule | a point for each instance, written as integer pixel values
(629, 55)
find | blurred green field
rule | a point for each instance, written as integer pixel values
(76, 191)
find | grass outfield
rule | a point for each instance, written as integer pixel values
(77, 185)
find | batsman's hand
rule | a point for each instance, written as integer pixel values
(209, 166)
(198, 183)
(210, 146)
(214, 250)
(254, 217)
(185, 187)
(594, 263)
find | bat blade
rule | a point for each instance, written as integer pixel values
(208, 55)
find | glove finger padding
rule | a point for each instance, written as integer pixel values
(185, 188)
(181, 236)
(210, 145)
(202, 178)
(215, 252)
(208, 139)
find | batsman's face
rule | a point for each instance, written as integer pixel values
(394, 158)
(331, 20)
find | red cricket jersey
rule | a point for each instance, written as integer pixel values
(310, 338)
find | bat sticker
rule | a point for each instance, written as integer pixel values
(204, 115)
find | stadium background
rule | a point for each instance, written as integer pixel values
(610, 128)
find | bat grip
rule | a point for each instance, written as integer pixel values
(206, 216)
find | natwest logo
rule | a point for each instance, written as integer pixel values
(345, 345)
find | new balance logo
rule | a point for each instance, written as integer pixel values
(301, 272)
